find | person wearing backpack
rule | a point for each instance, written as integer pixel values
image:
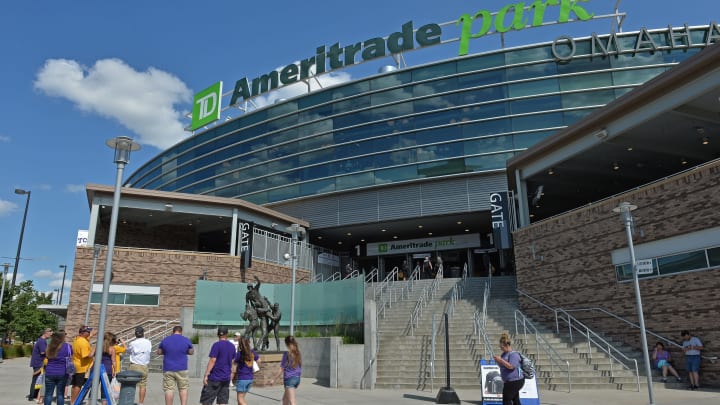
(510, 370)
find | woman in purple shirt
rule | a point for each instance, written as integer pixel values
(243, 375)
(662, 360)
(513, 379)
(291, 366)
(55, 372)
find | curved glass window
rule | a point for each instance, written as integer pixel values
(442, 168)
(433, 71)
(528, 55)
(394, 174)
(391, 80)
(524, 141)
(487, 145)
(579, 82)
(488, 162)
(482, 95)
(530, 122)
(486, 128)
(482, 78)
(532, 71)
(534, 87)
(535, 104)
(587, 98)
(400, 157)
(481, 62)
(636, 76)
(317, 187)
(355, 181)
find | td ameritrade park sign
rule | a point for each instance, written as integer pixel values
(512, 17)
(423, 245)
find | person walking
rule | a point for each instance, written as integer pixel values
(291, 367)
(139, 351)
(216, 383)
(243, 375)
(175, 350)
(36, 361)
(83, 353)
(512, 376)
(58, 353)
(692, 346)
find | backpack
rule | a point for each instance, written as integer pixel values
(526, 367)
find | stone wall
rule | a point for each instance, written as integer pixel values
(174, 272)
(566, 262)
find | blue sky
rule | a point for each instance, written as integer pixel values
(76, 73)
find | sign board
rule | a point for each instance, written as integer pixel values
(424, 245)
(82, 238)
(492, 386)
(644, 266)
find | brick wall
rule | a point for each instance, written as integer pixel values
(174, 272)
(576, 269)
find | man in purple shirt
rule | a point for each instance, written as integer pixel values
(175, 349)
(216, 383)
(36, 360)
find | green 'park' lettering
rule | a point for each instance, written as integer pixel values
(502, 22)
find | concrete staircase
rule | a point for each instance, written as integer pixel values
(404, 360)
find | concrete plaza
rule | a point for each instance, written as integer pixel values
(15, 381)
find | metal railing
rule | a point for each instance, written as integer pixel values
(155, 330)
(670, 342)
(373, 276)
(425, 296)
(480, 324)
(556, 360)
(593, 339)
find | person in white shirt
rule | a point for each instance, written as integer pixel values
(692, 346)
(139, 350)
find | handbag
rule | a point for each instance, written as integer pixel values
(69, 364)
(256, 367)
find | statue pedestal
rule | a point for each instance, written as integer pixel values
(269, 369)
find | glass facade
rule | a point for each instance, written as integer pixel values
(465, 115)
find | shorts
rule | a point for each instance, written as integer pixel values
(142, 370)
(78, 380)
(243, 385)
(215, 390)
(662, 363)
(176, 380)
(692, 363)
(291, 382)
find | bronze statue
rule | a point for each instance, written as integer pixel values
(274, 325)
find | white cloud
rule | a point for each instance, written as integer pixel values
(143, 102)
(74, 188)
(4, 138)
(43, 187)
(7, 207)
(43, 274)
(57, 283)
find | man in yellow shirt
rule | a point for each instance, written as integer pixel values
(120, 348)
(83, 353)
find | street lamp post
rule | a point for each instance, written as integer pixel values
(4, 278)
(96, 252)
(296, 231)
(22, 232)
(62, 286)
(624, 209)
(122, 145)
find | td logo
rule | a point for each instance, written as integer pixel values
(206, 106)
(382, 247)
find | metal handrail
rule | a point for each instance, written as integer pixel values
(555, 358)
(592, 338)
(372, 276)
(335, 276)
(317, 278)
(595, 339)
(634, 325)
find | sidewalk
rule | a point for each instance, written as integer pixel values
(15, 383)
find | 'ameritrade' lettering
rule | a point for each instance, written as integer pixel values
(336, 57)
(502, 23)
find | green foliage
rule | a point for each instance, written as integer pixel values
(195, 339)
(12, 351)
(20, 316)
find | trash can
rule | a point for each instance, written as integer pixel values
(128, 380)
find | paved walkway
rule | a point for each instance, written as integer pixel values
(15, 383)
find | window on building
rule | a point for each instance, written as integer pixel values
(124, 294)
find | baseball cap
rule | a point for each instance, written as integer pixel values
(85, 328)
(222, 331)
(139, 331)
(238, 334)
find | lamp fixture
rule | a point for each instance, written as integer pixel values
(615, 166)
(705, 140)
(551, 171)
(168, 206)
(420, 226)
(629, 148)
(683, 161)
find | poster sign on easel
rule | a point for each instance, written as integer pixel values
(492, 386)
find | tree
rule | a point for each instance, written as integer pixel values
(20, 315)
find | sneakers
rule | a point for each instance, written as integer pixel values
(678, 379)
(663, 380)
(693, 387)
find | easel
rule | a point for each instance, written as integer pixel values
(104, 383)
